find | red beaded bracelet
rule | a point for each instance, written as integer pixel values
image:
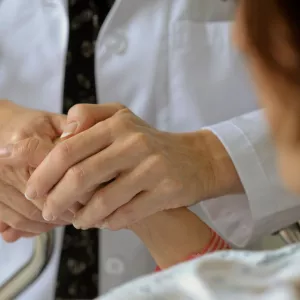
(215, 243)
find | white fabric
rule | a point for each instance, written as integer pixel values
(228, 275)
(173, 64)
(267, 207)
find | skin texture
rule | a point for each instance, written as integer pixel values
(173, 236)
(148, 170)
(28, 136)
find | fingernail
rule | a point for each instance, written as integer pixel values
(104, 225)
(69, 129)
(30, 193)
(6, 151)
(80, 228)
(47, 215)
(76, 225)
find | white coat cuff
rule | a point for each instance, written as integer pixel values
(266, 207)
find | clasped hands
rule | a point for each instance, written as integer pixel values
(109, 169)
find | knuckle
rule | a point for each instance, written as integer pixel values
(171, 187)
(119, 106)
(76, 175)
(18, 136)
(78, 110)
(122, 119)
(63, 151)
(123, 111)
(139, 141)
(32, 123)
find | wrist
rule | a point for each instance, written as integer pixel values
(225, 179)
(171, 236)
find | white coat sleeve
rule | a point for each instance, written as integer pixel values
(267, 206)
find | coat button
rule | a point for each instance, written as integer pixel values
(116, 43)
(114, 266)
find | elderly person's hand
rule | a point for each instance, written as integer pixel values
(147, 170)
(26, 137)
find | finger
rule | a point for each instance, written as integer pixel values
(139, 208)
(75, 208)
(83, 116)
(17, 202)
(19, 222)
(64, 156)
(54, 207)
(59, 123)
(29, 152)
(11, 235)
(82, 178)
(31, 210)
(65, 218)
(108, 199)
(3, 227)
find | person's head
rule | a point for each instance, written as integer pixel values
(268, 33)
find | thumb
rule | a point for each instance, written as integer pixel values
(83, 116)
(58, 122)
(28, 152)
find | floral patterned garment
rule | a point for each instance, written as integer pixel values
(78, 271)
(227, 275)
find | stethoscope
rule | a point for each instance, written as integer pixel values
(28, 273)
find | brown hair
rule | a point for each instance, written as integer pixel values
(272, 26)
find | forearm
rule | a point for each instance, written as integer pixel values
(172, 236)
